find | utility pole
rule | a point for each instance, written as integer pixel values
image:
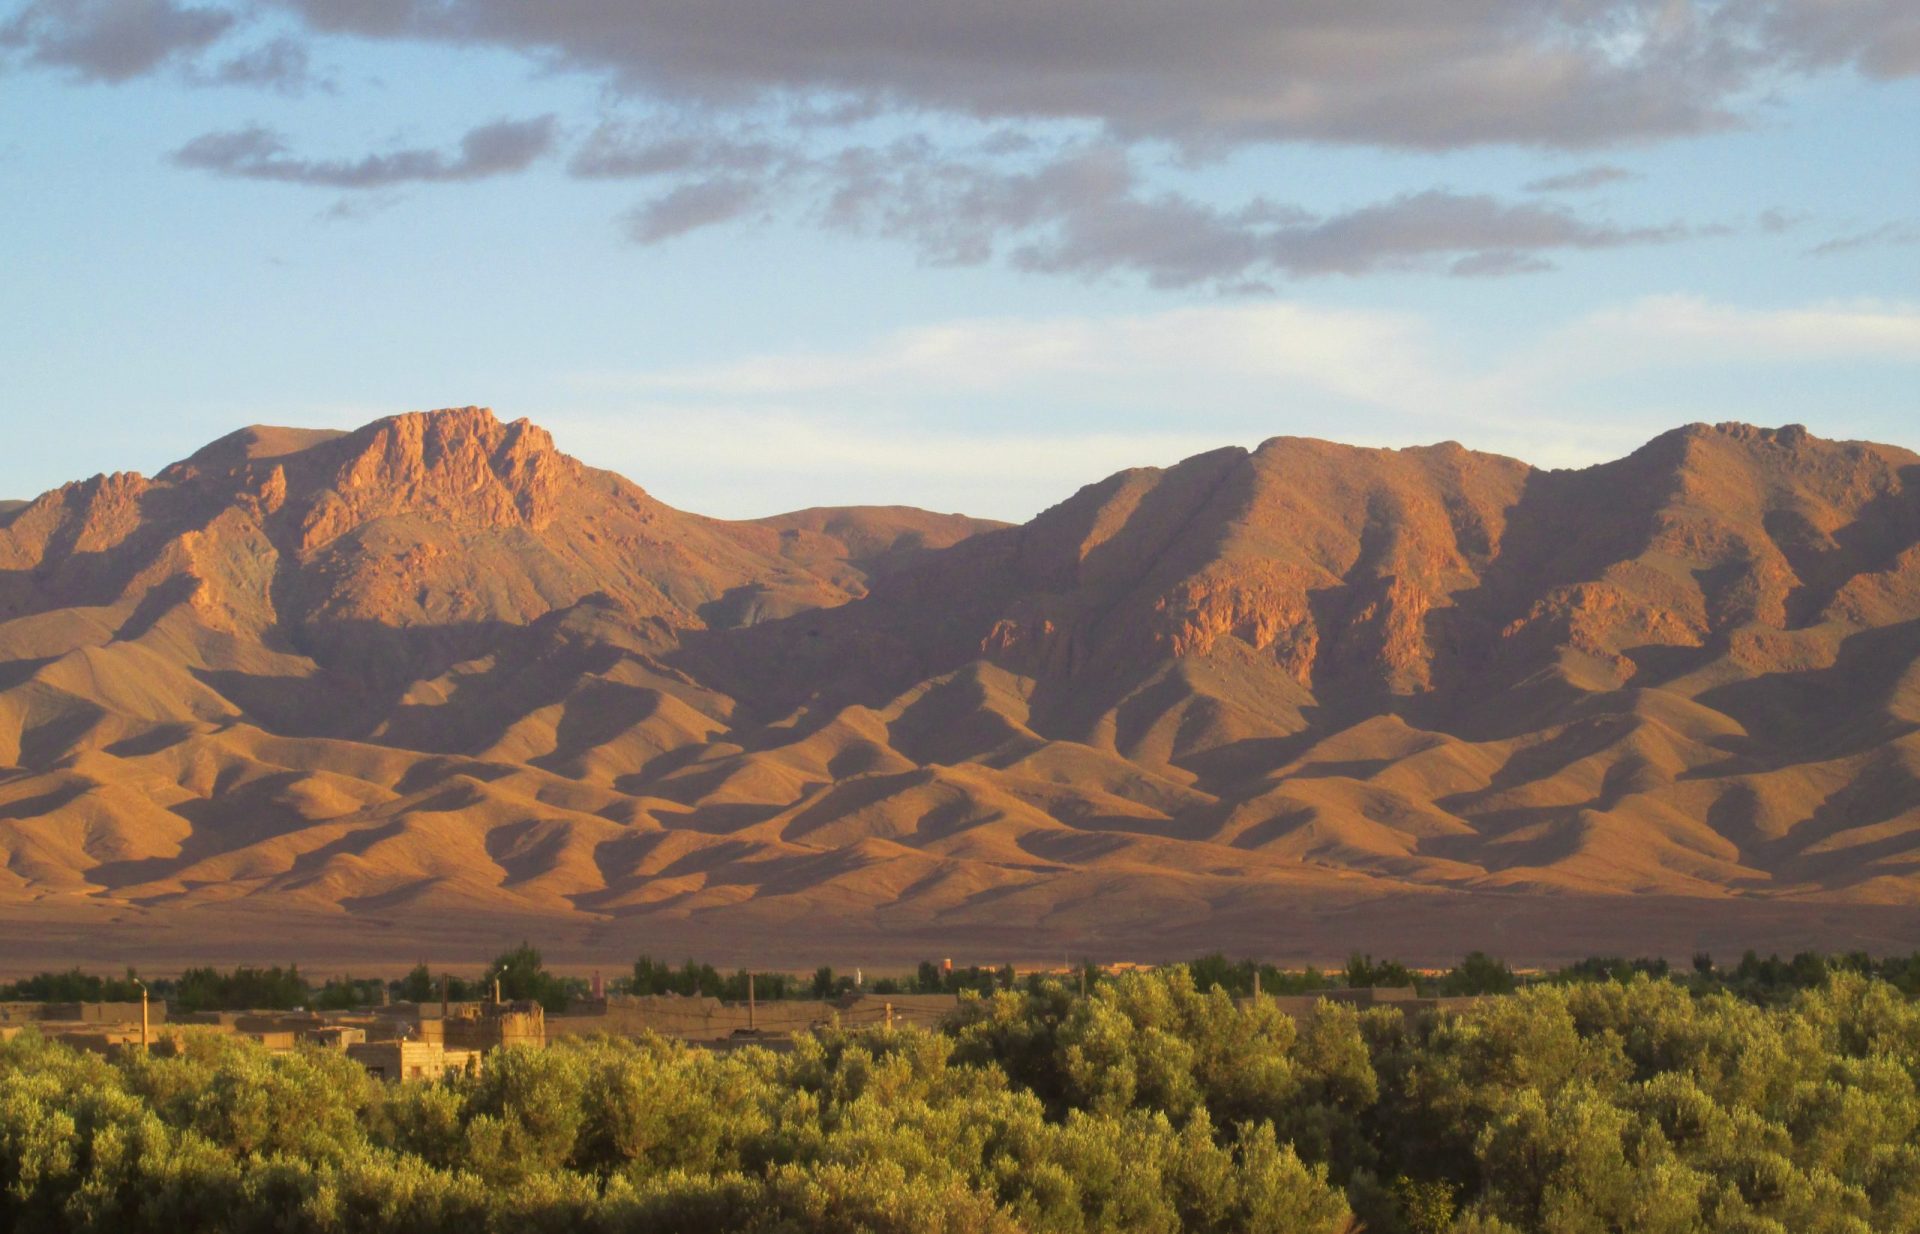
(1256, 983)
(750, 1025)
(143, 1014)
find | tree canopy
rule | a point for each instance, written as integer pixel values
(1615, 1102)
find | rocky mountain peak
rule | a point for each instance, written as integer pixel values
(458, 465)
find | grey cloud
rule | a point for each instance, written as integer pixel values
(616, 151)
(1088, 214)
(260, 154)
(1172, 240)
(1563, 73)
(957, 212)
(505, 145)
(359, 206)
(1887, 235)
(1490, 236)
(1085, 211)
(1881, 38)
(1773, 221)
(1498, 264)
(690, 207)
(112, 40)
(1598, 176)
(281, 64)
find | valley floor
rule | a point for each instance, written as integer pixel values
(1426, 929)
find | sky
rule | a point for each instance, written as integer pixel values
(758, 255)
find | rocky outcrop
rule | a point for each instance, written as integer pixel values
(461, 467)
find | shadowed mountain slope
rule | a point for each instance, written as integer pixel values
(435, 666)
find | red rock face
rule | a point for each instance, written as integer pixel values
(435, 662)
(463, 468)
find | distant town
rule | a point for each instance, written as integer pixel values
(424, 1026)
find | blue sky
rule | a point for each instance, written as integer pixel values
(758, 256)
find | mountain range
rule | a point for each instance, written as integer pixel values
(366, 694)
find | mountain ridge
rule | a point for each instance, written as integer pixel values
(436, 667)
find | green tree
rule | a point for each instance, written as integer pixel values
(1363, 972)
(72, 986)
(1479, 973)
(418, 986)
(522, 975)
(243, 989)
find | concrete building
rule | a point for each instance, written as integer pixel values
(410, 1061)
(709, 1021)
(489, 1025)
(81, 1013)
(335, 1036)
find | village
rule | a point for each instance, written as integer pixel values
(412, 1041)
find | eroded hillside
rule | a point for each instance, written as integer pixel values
(435, 665)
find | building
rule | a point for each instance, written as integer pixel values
(487, 1026)
(409, 1062)
(335, 1036)
(82, 1013)
(711, 1021)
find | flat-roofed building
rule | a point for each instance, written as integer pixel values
(410, 1061)
(491, 1025)
(82, 1013)
(335, 1036)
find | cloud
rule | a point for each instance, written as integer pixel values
(750, 463)
(1884, 236)
(1081, 212)
(1294, 360)
(1880, 38)
(500, 148)
(279, 64)
(1202, 376)
(113, 40)
(1598, 176)
(689, 207)
(357, 207)
(1004, 415)
(1487, 234)
(789, 442)
(1659, 335)
(1558, 73)
(1775, 221)
(1371, 357)
(1498, 263)
(614, 151)
(1085, 210)
(1693, 326)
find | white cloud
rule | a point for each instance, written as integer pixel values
(1375, 358)
(748, 462)
(1688, 328)
(785, 442)
(1665, 334)
(1005, 416)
